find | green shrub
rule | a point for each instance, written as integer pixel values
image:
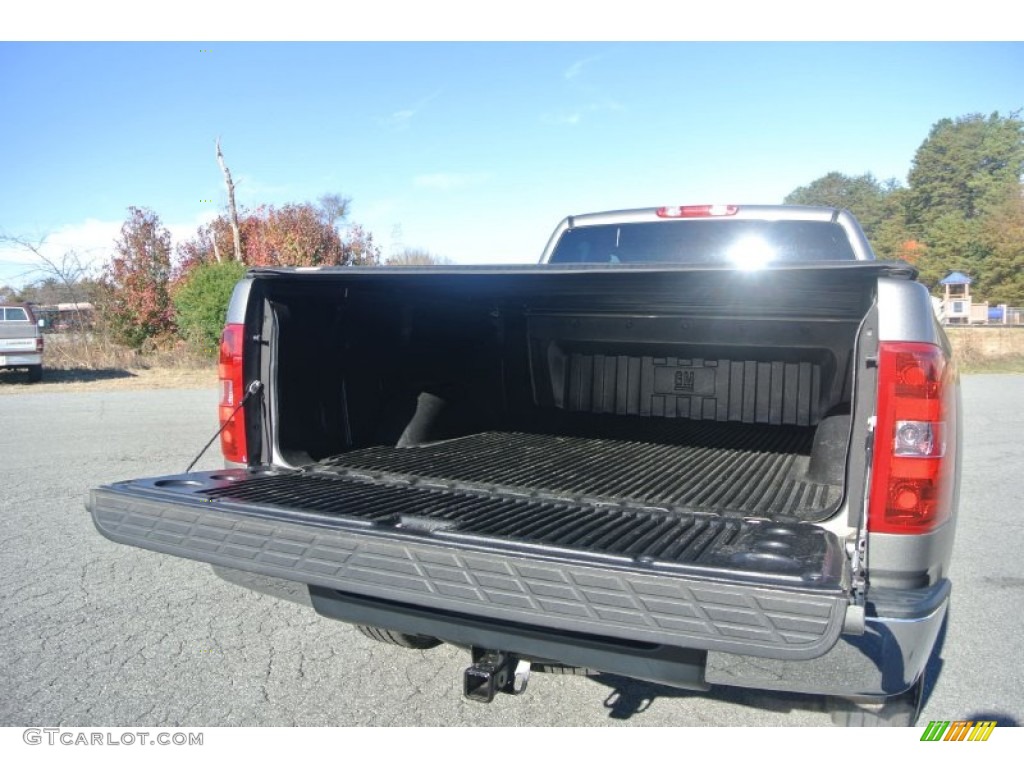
(201, 303)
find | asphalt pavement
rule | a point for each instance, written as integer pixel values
(94, 633)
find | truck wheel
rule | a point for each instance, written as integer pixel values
(900, 711)
(398, 638)
(35, 374)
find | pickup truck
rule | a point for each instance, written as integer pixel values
(695, 445)
(21, 341)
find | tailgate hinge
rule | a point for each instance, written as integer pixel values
(857, 548)
(854, 621)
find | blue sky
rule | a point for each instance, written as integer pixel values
(473, 151)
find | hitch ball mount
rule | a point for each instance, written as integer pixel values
(494, 672)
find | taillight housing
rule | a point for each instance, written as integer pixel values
(914, 467)
(39, 343)
(229, 370)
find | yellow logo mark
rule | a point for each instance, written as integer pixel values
(958, 730)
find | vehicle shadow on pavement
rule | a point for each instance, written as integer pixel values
(1001, 718)
(69, 376)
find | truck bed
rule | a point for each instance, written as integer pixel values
(640, 455)
(681, 467)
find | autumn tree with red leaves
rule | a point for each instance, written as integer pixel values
(358, 248)
(289, 236)
(137, 305)
(202, 248)
(293, 235)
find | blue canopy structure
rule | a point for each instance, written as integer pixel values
(955, 278)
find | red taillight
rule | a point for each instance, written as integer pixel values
(39, 343)
(229, 370)
(915, 439)
(695, 211)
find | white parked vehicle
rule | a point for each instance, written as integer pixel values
(21, 340)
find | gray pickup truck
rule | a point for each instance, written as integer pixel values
(696, 445)
(21, 341)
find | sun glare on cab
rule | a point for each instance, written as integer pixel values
(751, 253)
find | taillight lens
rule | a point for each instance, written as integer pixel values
(915, 439)
(229, 370)
(39, 343)
(695, 211)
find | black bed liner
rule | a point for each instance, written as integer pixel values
(684, 466)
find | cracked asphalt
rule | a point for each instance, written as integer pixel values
(94, 633)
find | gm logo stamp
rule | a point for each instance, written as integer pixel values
(684, 380)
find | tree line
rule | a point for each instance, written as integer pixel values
(962, 208)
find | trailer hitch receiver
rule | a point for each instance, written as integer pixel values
(494, 672)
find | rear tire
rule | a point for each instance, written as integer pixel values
(419, 642)
(895, 711)
(35, 374)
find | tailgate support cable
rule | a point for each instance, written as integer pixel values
(255, 387)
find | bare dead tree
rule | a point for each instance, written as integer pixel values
(232, 209)
(333, 208)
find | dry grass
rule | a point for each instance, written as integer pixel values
(988, 350)
(83, 362)
(82, 351)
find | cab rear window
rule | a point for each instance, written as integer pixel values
(704, 241)
(15, 315)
